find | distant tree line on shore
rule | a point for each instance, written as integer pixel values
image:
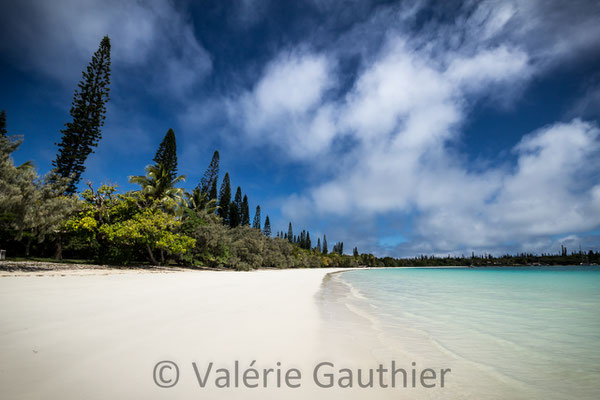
(563, 258)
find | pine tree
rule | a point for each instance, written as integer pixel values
(166, 154)
(355, 252)
(245, 212)
(267, 228)
(238, 203)
(211, 175)
(235, 209)
(89, 112)
(207, 188)
(324, 244)
(234, 214)
(338, 248)
(308, 242)
(3, 130)
(224, 199)
(212, 194)
(290, 235)
(256, 222)
(319, 245)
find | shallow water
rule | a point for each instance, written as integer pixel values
(522, 332)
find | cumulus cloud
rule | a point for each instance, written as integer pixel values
(543, 196)
(285, 108)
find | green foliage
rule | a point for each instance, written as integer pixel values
(152, 229)
(212, 243)
(245, 212)
(166, 155)
(256, 222)
(224, 199)
(123, 227)
(338, 248)
(208, 183)
(159, 186)
(199, 201)
(88, 115)
(32, 208)
(235, 209)
(267, 228)
(212, 194)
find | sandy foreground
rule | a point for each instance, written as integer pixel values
(98, 334)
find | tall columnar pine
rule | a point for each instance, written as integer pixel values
(88, 112)
(212, 194)
(234, 215)
(338, 248)
(355, 252)
(267, 228)
(324, 244)
(235, 209)
(225, 199)
(207, 188)
(308, 242)
(319, 245)
(167, 154)
(245, 212)
(290, 234)
(3, 130)
(256, 222)
(211, 175)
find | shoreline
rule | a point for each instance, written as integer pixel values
(55, 268)
(43, 268)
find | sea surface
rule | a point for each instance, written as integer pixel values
(507, 333)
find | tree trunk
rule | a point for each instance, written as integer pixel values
(162, 256)
(59, 249)
(152, 259)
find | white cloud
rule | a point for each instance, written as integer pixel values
(285, 108)
(488, 66)
(395, 87)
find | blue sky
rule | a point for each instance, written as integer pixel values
(399, 127)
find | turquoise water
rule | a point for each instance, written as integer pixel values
(522, 332)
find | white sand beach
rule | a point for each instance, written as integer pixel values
(99, 335)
